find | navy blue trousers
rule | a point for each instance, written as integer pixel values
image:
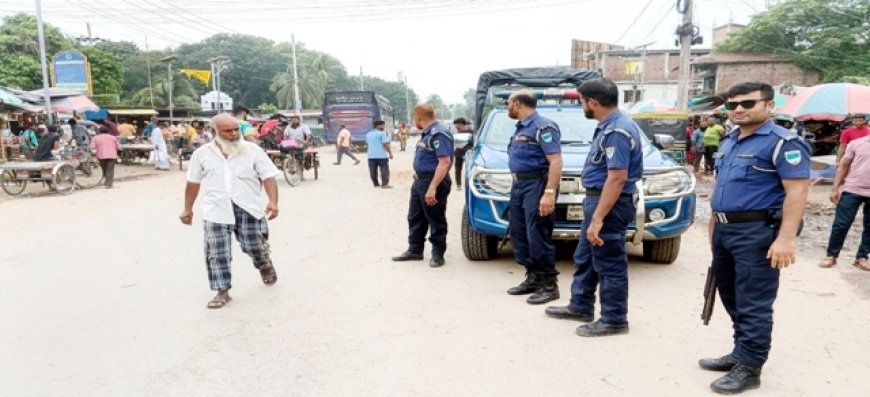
(606, 265)
(531, 234)
(747, 285)
(423, 218)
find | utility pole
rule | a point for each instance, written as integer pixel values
(686, 32)
(42, 56)
(168, 61)
(404, 79)
(297, 104)
(219, 64)
(362, 86)
(148, 66)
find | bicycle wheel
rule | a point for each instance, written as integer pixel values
(64, 179)
(316, 167)
(11, 184)
(292, 173)
(88, 173)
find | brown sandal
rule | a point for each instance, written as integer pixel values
(268, 274)
(828, 262)
(861, 264)
(220, 300)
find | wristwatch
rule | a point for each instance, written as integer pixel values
(549, 191)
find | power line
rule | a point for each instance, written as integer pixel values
(631, 25)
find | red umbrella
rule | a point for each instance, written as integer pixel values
(831, 102)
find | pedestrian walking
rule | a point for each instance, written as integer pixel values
(379, 155)
(107, 147)
(403, 133)
(762, 179)
(851, 190)
(712, 135)
(233, 173)
(858, 130)
(462, 127)
(613, 166)
(535, 162)
(160, 154)
(342, 145)
(428, 205)
(698, 144)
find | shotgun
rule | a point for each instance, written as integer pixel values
(709, 296)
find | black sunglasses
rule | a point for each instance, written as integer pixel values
(747, 104)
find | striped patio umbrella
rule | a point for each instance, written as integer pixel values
(832, 102)
(651, 107)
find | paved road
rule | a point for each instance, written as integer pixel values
(104, 292)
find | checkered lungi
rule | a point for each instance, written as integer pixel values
(253, 236)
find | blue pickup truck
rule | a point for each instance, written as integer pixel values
(666, 204)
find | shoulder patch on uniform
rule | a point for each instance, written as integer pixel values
(436, 143)
(547, 137)
(793, 157)
(610, 151)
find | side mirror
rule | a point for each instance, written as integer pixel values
(664, 142)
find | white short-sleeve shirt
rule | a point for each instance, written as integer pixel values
(224, 181)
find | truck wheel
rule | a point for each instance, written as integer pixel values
(476, 246)
(661, 251)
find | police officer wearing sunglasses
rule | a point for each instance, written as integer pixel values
(762, 180)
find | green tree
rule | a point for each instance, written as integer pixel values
(184, 96)
(831, 36)
(268, 108)
(316, 71)
(107, 71)
(19, 51)
(20, 71)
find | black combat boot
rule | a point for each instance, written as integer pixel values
(529, 285)
(740, 379)
(721, 364)
(548, 290)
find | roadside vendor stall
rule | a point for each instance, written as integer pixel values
(666, 123)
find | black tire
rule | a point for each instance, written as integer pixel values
(88, 173)
(476, 246)
(292, 173)
(662, 251)
(64, 180)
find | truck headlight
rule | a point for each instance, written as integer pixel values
(496, 183)
(672, 182)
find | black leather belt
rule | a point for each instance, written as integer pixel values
(528, 176)
(422, 176)
(597, 193)
(741, 217)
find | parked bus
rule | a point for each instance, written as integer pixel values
(357, 110)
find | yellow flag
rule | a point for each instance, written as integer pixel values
(200, 74)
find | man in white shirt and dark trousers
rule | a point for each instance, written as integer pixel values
(234, 173)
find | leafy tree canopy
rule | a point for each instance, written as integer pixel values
(832, 36)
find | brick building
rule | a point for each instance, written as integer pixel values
(721, 70)
(651, 74)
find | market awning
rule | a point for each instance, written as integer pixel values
(72, 104)
(9, 98)
(132, 112)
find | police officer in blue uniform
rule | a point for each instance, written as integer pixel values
(762, 180)
(431, 187)
(535, 162)
(614, 164)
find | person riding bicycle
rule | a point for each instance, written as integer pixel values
(301, 135)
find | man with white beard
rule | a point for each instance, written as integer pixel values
(232, 203)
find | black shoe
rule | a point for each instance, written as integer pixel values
(721, 364)
(565, 312)
(408, 256)
(528, 286)
(548, 290)
(740, 379)
(600, 328)
(436, 261)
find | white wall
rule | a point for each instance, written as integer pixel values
(663, 92)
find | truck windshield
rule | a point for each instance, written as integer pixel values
(575, 127)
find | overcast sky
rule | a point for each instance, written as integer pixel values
(442, 46)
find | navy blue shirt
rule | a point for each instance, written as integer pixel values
(616, 145)
(749, 174)
(435, 141)
(534, 139)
